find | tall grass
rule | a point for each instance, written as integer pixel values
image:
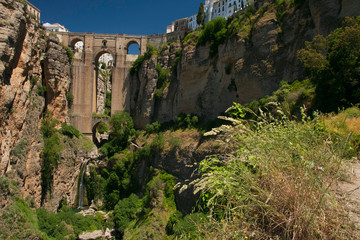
(277, 184)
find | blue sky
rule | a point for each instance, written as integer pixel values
(141, 17)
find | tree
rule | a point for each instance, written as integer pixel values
(121, 129)
(333, 64)
(200, 19)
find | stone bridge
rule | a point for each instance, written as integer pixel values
(84, 85)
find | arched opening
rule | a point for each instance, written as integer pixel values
(78, 46)
(103, 67)
(133, 48)
(100, 133)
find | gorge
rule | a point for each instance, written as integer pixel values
(162, 102)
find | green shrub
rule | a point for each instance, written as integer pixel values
(50, 155)
(162, 82)
(102, 128)
(214, 32)
(158, 142)
(70, 98)
(150, 51)
(4, 185)
(41, 90)
(69, 53)
(185, 227)
(176, 61)
(124, 212)
(108, 104)
(33, 80)
(69, 131)
(169, 181)
(152, 128)
(20, 149)
(185, 121)
(95, 186)
(280, 9)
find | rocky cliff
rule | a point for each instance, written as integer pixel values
(247, 67)
(34, 79)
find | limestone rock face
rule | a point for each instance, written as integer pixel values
(57, 78)
(29, 60)
(21, 46)
(145, 102)
(98, 234)
(243, 70)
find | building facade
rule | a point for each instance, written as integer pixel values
(224, 8)
(33, 11)
(213, 9)
(56, 27)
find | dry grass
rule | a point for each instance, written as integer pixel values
(277, 185)
(347, 121)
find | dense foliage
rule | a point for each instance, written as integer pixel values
(333, 65)
(65, 224)
(162, 82)
(50, 155)
(121, 129)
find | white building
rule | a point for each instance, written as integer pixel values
(224, 8)
(192, 22)
(56, 27)
(32, 10)
(213, 9)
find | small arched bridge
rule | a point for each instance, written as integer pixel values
(85, 65)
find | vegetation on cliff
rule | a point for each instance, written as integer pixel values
(333, 65)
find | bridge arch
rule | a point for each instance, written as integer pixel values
(74, 41)
(133, 47)
(102, 52)
(103, 72)
(100, 131)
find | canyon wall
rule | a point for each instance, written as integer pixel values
(34, 79)
(243, 70)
